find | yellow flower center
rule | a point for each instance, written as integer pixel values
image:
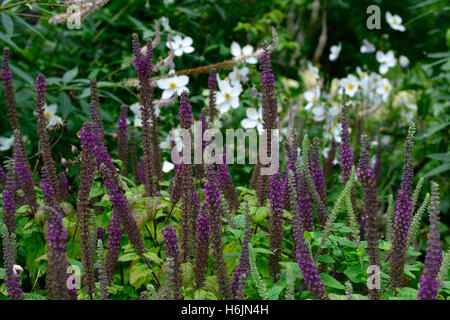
(386, 88)
(227, 96)
(313, 99)
(180, 45)
(48, 115)
(394, 21)
(350, 86)
(237, 75)
(375, 80)
(172, 85)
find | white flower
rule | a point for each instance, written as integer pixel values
(335, 51)
(171, 85)
(176, 137)
(165, 23)
(404, 61)
(50, 114)
(384, 88)
(312, 97)
(167, 166)
(350, 84)
(333, 131)
(244, 53)
(6, 143)
(363, 79)
(367, 47)
(314, 71)
(180, 45)
(395, 21)
(386, 60)
(319, 113)
(228, 95)
(406, 116)
(238, 75)
(254, 119)
(17, 270)
(374, 80)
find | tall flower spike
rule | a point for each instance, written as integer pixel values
(122, 139)
(23, 172)
(8, 87)
(403, 214)
(57, 263)
(186, 186)
(212, 86)
(212, 198)
(429, 282)
(2, 177)
(306, 263)
(9, 256)
(112, 254)
(144, 66)
(171, 249)
(243, 268)
(93, 139)
(276, 196)
(367, 180)
(269, 115)
(316, 170)
(44, 140)
(102, 274)
(87, 170)
(201, 248)
(346, 151)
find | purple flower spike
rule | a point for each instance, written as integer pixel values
(429, 283)
(171, 249)
(276, 196)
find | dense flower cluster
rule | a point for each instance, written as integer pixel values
(429, 282)
(243, 268)
(144, 66)
(276, 196)
(201, 248)
(9, 256)
(305, 262)
(171, 246)
(44, 140)
(403, 214)
(212, 86)
(369, 209)
(212, 198)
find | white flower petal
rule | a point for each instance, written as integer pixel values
(167, 166)
(249, 123)
(234, 102)
(235, 49)
(182, 80)
(164, 83)
(252, 114)
(187, 42)
(247, 50)
(167, 94)
(188, 49)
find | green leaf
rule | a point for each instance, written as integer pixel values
(274, 293)
(8, 24)
(33, 296)
(260, 214)
(70, 75)
(445, 157)
(325, 258)
(440, 169)
(65, 103)
(432, 129)
(331, 282)
(129, 257)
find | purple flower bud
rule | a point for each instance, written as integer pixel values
(171, 250)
